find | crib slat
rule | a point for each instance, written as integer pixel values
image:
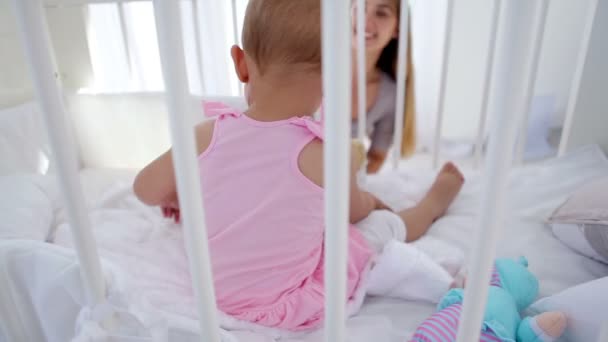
(361, 72)
(168, 22)
(197, 43)
(125, 37)
(235, 25)
(12, 326)
(34, 34)
(337, 89)
(447, 34)
(401, 82)
(578, 76)
(500, 153)
(487, 83)
(82, 3)
(236, 36)
(530, 83)
(603, 337)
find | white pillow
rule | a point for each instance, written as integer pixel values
(588, 205)
(25, 209)
(579, 237)
(582, 221)
(584, 305)
(23, 143)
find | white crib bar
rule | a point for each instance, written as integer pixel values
(125, 37)
(197, 43)
(337, 89)
(236, 37)
(361, 72)
(401, 82)
(70, 3)
(498, 162)
(82, 3)
(11, 325)
(34, 34)
(235, 25)
(168, 21)
(578, 76)
(530, 83)
(487, 83)
(444, 80)
(603, 337)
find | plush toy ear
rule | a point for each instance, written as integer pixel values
(522, 260)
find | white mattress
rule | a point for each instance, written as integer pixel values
(153, 261)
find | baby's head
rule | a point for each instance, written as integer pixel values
(281, 42)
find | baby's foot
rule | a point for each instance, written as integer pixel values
(552, 325)
(460, 281)
(546, 327)
(443, 192)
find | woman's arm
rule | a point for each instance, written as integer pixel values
(375, 160)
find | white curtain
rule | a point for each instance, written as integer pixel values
(124, 53)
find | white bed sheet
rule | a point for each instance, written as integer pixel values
(149, 248)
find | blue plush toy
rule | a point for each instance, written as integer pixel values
(513, 288)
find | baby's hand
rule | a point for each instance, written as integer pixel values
(170, 210)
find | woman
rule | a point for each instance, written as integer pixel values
(381, 42)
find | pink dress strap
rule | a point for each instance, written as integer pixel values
(213, 109)
(315, 127)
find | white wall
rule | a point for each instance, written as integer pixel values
(566, 22)
(428, 18)
(470, 32)
(127, 130)
(590, 123)
(68, 35)
(13, 84)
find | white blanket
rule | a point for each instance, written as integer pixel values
(149, 249)
(153, 260)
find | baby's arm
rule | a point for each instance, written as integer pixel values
(155, 184)
(361, 203)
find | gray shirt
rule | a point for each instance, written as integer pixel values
(380, 125)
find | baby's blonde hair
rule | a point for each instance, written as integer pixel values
(283, 33)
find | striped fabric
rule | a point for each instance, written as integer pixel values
(495, 281)
(443, 325)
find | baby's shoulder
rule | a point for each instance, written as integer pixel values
(310, 161)
(204, 135)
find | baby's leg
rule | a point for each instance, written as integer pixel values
(434, 204)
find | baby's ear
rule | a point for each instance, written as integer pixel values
(240, 64)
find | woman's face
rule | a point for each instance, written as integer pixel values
(381, 23)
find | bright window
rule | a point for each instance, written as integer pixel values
(124, 48)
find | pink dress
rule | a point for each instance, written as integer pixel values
(266, 223)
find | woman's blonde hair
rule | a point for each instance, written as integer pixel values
(388, 63)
